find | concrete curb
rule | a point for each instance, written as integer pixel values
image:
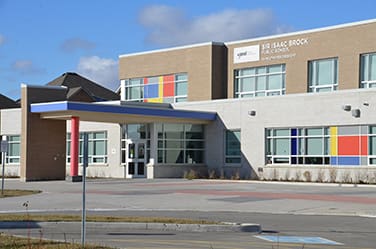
(225, 227)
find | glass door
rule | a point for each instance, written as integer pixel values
(136, 158)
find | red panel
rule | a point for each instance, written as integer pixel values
(348, 145)
(168, 86)
(145, 81)
(364, 145)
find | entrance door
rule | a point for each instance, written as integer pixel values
(136, 158)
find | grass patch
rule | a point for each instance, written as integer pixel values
(97, 218)
(18, 192)
(12, 242)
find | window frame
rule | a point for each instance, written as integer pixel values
(228, 157)
(366, 82)
(12, 159)
(178, 79)
(91, 162)
(314, 85)
(184, 141)
(371, 136)
(258, 73)
(300, 141)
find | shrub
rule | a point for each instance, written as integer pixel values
(298, 175)
(212, 174)
(287, 175)
(346, 178)
(236, 175)
(333, 175)
(191, 174)
(320, 175)
(275, 175)
(308, 176)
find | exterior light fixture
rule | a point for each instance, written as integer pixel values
(346, 108)
(355, 113)
(252, 113)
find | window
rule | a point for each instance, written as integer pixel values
(97, 147)
(372, 145)
(260, 81)
(134, 89)
(298, 146)
(181, 143)
(157, 89)
(181, 88)
(278, 146)
(368, 70)
(233, 151)
(323, 75)
(13, 154)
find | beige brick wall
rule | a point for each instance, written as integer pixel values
(43, 142)
(197, 61)
(346, 43)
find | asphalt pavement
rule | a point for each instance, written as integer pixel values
(342, 213)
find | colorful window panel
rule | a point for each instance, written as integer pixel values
(349, 145)
(342, 146)
(159, 89)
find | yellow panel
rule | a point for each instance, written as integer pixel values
(333, 141)
(155, 100)
(160, 87)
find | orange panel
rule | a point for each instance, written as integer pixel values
(348, 145)
(364, 145)
(168, 86)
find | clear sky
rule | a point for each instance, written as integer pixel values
(42, 39)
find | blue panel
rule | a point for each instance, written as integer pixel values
(298, 239)
(294, 132)
(333, 160)
(49, 107)
(294, 150)
(151, 91)
(348, 160)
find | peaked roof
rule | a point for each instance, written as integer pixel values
(74, 81)
(6, 102)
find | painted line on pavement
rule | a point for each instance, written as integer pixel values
(297, 240)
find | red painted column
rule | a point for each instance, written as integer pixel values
(75, 135)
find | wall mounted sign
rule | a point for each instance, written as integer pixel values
(247, 54)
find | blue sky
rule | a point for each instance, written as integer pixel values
(42, 39)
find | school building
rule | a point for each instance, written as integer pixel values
(296, 106)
